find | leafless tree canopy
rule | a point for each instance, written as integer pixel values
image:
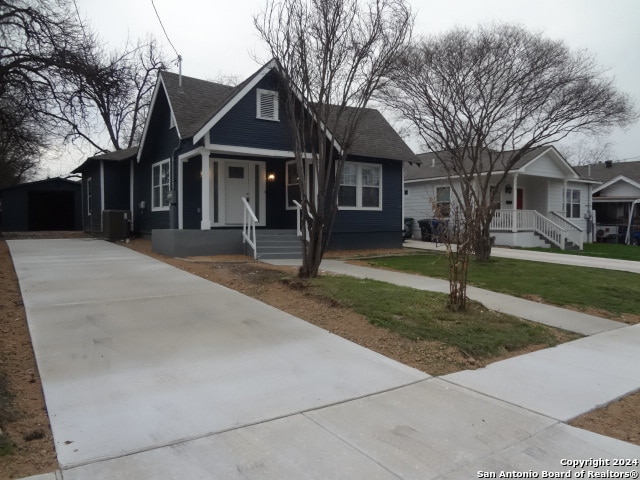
(58, 83)
(335, 54)
(477, 94)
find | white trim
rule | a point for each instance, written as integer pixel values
(619, 178)
(276, 106)
(232, 103)
(308, 167)
(159, 83)
(359, 186)
(557, 157)
(257, 152)
(245, 90)
(159, 164)
(222, 189)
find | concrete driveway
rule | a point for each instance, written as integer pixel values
(149, 372)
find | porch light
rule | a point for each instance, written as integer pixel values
(508, 189)
(271, 177)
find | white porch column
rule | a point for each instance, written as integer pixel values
(205, 222)
(514, 224)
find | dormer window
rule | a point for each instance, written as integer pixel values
(267, 105)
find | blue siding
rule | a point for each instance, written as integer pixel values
(240, 127)
(159, 145)
(116, 185)
(389, 219)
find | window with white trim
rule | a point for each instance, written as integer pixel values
(572, 203)
(293, 187)
(160, 186)
(361, 186)
(267, 105)
(443, 201)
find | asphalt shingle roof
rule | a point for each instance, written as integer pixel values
(197, 101)
(600, 171)
(430, 166)
(115, 156)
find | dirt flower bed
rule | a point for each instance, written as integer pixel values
(23, 417)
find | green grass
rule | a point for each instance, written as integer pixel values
(564, 285)
(420, 315)
(601, 250)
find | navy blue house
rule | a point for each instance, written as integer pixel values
(207, 146)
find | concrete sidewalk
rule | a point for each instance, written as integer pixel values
(527, 309)
(547, 257)
(149, 372)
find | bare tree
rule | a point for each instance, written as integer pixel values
(587, 150)
(57, 83)
(103, 97)
(484, 98)
(334, 54)
(35, 36)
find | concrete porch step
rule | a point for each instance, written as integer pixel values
(278, 244)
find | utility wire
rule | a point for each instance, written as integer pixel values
(163, 29)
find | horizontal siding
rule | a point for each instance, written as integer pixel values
(389, 219)
(545, 167)
(116, 184)
(240, 127)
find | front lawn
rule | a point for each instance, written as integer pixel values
(564, 285)
(420, 315)
(601, 250)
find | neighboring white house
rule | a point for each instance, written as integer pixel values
(613, 200)
(543, 203)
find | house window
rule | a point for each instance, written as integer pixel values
(293, 187)
(361, 186)
(443, 201)
(89, 195)
(160, 186)
(267, 105)
(572, 203)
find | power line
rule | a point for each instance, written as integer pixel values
(163, 29)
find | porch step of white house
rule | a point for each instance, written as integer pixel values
(278, 244)
(568, 245)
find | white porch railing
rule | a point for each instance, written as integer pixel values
(299, 219)
(249, 227)
(529, 220)
(574, 232)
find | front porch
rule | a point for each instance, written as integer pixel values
(530, 228)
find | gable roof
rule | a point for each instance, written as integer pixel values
(375, 137)
(115, 156)
(197, 105)
(601, 172)
(430, 166)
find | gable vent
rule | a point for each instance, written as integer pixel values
(267, 103)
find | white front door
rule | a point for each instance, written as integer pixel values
(237, 185)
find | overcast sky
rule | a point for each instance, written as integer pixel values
(216, 38)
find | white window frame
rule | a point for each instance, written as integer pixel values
(359, 186)
(259, 113)
(569, 203)
(440, 204)
(311, 189)
(162, 206)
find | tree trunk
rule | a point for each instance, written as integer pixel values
(482, 242)
(312, 249)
